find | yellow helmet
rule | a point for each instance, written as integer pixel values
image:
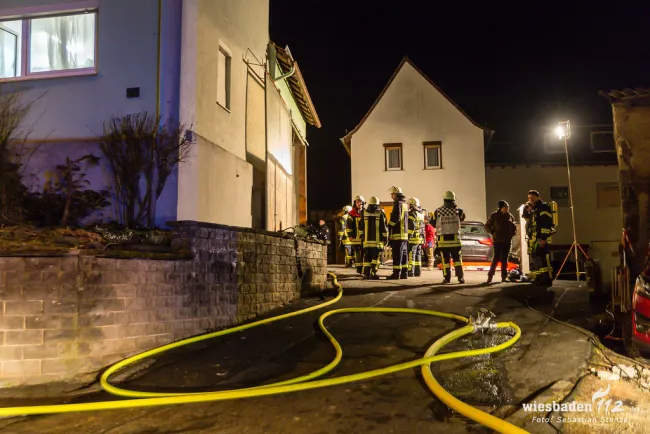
(347, 208)
(414, 201)
(374, 200)
(395, 190)
(361, 198)
(449, 195)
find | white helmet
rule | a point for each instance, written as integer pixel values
(395, 190)
(414, 201)
(361, 198)
(374, 200)
(347, 208)
(449, 195)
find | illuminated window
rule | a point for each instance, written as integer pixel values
(393, 156)
(55, 46)
(432, 155)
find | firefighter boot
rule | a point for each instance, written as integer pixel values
(359, 270)
(404, 274)
(459, 274)
(410, 273)
(417, 271)
(366, 273)
(394, 276)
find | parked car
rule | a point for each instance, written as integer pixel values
(476, 243)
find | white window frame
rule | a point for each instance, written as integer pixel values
(223, 49)
(393, 147)
(26, 14)
(432, 145)
(600, 133)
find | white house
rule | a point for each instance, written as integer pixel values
(414, 136)
(206, 63)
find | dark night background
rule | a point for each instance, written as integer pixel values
(514, 70)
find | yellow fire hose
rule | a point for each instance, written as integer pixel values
(149, 399)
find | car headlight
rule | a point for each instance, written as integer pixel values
(642, 287)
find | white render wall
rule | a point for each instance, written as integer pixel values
(219, 160)
(411, 112)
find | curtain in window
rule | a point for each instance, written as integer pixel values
(62, 43)
(432, 157)
(394, 159)
(8, 52)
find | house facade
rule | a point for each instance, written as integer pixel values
(594, 183)
(208, 64)
(414, 136)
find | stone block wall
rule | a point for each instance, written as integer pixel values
(69, 317)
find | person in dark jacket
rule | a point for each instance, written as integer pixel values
(501, 225)
(324, 235)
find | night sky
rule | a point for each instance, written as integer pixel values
(511, 69)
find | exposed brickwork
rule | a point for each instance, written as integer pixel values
(68, 316)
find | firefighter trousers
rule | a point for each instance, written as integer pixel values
(541, 270)
(358, 257)
(349, 255)
(415, 260)
(400, 257)
(371, 260)
(448, 254)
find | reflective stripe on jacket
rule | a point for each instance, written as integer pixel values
(375, 229)
(416, 227)
(398, 221)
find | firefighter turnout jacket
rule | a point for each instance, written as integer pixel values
(541, 222)
(344, 221)
(446, 220)
(354, 227)
(398, 220)
(416, 226)
(374, 230)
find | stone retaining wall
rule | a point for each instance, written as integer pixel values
(67, 317)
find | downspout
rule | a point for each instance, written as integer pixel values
(158, 57)
(287, 75)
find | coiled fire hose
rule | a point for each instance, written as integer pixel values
(149, 399)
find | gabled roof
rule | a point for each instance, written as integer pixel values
(346, 139)
(298, 87)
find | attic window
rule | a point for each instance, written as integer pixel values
(393, 156)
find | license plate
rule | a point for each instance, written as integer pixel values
(470, 242)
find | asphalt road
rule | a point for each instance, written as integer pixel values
(398, 403)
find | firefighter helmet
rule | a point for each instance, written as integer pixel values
(395, 190)
(414, 201)
(374, 200)
(347, 208)
(361, 198)
(449, 195)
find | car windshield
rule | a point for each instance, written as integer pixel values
(473, 230)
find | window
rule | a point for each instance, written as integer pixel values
(432, 155)
(223, 79)
(393, 155)
(48, 46)
(602, 141)
(560, 195)
(608, 195)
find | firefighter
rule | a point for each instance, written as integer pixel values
(344, 239)
(416, 237)
(399, 233)
(446, 220)
(354, 232)
(374, 234)
(540, 236)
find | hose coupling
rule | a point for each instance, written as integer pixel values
(482, 320)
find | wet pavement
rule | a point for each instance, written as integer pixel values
(397, 403)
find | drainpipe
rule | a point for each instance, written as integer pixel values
(287, 75)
